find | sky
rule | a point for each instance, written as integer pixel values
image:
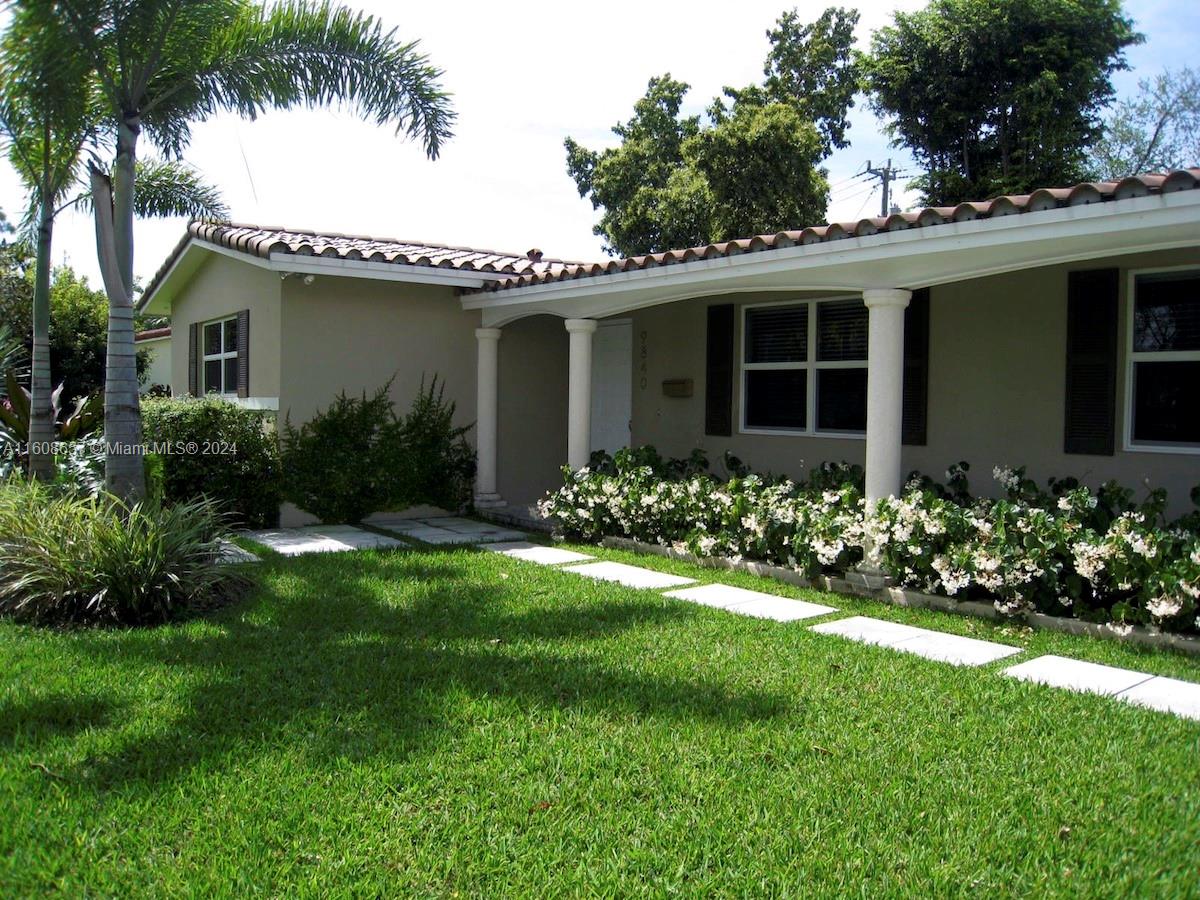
(524, 75)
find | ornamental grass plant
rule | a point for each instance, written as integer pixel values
(67, 558)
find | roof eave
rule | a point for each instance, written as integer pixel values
(909, 258)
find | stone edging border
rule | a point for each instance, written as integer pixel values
(866, 586)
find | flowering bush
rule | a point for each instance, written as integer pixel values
(1065, 550)
(1068, 551)
(809, 527)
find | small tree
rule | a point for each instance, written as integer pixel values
(1157, 129)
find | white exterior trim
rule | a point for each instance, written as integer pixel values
(378, 271)
(1127, 443)
(913, 257)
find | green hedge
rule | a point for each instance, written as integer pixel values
(214, 448)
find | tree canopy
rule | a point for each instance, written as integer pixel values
(996, 98)
(1157, 129)
(750, 165)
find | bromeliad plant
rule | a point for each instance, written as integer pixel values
(15, 417)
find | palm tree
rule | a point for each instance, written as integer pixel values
(48, 113)
(161, 65)
(44, 121)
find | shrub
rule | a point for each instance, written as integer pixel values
(216, 449)
(65, 558)
(356, 457)
(436, 464)
(339, 464)
(1063, 550)
(810, 527)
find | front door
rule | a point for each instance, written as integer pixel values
(612, 385)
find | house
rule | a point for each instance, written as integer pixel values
(157, 342)
(1058, 330)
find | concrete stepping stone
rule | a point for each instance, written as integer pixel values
(1077, 675)
(630, 576)
(1166, 695)
(1139, 688)
(751, 603)
(322, 539)
(536, 553)
(935, 645)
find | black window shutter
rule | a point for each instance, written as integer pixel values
(1092, 313)
(243, 353)
(916, 369)
(718, 372)
(193, 361)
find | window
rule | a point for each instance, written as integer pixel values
(804, 367)
(1163, 377)
(220, 363)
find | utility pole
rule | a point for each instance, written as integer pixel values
(886, 175)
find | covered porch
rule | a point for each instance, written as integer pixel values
(880, 264)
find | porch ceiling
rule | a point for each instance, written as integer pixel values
(911, 258)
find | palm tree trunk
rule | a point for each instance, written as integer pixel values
(41, 411)
(124, 473)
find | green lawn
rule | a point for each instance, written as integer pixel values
(447, 723)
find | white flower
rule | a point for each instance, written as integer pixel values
(1164, 607)
(1006, 477)
(1121, 628)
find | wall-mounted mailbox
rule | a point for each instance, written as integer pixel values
(677, 387)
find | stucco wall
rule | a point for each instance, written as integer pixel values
(221, 288)
(159, 370)
(996, 386)
(352, 335)
(533, 407)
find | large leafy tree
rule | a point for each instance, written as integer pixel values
(1156, 129)
(998, 98)
(159, 66)
(751, 166)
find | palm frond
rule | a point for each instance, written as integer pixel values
(171, 188)
(237, 56)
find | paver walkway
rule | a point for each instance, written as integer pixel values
(751, 603)
(442, 530)
(536, 553)
(1141, 688)
(630, 576)
(321, 539)
(938, 645)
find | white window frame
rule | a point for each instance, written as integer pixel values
(206, 358)
(811, 365)
(1133, 357)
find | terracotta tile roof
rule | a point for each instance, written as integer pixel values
(260, 241)
(151, 334)
(1039, 200)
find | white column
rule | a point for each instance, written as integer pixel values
(579, 392)
(486, 416)
(885, 390)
